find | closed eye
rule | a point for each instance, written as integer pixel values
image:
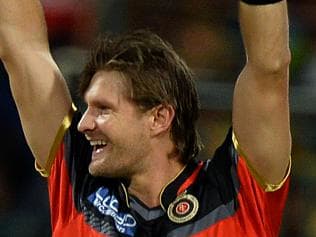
(104, 110)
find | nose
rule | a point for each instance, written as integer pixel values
(87, 122)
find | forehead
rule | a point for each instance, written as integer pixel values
(106, 84)
(107, 80)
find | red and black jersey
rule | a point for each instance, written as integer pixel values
(218, 197)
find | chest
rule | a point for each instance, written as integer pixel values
(198, 210)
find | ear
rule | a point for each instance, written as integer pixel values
(161, 119)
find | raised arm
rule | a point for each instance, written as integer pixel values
(37, 85)
(260, 107)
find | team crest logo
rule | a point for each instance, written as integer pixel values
(183, 209)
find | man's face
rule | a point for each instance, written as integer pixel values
(116, 129)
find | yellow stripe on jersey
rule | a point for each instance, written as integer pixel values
(45, 172)
(268, 187)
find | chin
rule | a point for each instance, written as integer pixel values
(102, 172)
(96, 171)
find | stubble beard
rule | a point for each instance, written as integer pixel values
(122, 162)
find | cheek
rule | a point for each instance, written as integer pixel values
(105, 124)
(132, 133)
(140, 137)
(139, 129)
(102, 119)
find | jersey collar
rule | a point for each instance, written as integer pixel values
(174, 188)
(180, 184)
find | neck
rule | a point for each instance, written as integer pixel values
(148, 185)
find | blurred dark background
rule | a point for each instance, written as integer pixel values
(206, 34)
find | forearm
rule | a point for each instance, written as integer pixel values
(265, 33)
(24, 47)
(22, 27)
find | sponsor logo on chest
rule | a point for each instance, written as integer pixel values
(107, 204)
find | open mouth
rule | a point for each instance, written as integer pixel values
(98, 146)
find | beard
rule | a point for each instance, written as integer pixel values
(120, 161)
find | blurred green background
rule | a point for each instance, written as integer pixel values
(206, 34)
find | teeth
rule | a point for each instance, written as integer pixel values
(98, 142)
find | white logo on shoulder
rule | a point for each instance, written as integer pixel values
(108, 205)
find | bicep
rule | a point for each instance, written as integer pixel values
(261, 121)
(41, 97)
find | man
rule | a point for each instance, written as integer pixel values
(131, 170)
